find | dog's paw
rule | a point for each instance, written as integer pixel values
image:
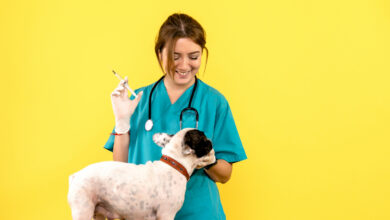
(161, 139)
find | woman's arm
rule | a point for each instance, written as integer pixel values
(221, 171)
(123, 108)
(121, 147)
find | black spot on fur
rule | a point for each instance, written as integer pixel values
(198, 141)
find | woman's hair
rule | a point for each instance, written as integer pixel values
(178, 26)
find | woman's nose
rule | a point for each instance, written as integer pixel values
(183, 65)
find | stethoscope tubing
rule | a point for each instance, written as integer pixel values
(149, 122)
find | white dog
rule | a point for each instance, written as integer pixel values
(128, 191)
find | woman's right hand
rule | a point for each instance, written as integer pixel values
(123, 107)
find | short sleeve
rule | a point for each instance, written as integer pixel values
(226, 140)
(110, 142)
(109, 145)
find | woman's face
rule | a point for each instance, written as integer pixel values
(187, 58)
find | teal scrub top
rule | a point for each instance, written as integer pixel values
(202, 199)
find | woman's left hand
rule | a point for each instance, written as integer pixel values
(221, 171)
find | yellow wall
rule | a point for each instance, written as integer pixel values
(307, 81)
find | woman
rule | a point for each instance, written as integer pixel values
(179, 47)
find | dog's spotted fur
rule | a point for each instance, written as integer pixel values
(150, 191)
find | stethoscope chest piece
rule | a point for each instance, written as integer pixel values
(149, 125)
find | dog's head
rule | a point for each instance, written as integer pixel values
(187, 143)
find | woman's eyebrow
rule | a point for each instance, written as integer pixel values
(189, 53)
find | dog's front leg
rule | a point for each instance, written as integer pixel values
(161, 139)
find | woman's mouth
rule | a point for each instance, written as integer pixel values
(183, 73)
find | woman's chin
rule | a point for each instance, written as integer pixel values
(183, 80)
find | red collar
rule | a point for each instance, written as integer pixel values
(173, 163)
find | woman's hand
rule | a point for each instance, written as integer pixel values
(221, 171)
(123, 107)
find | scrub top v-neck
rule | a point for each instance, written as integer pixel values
(202, 199)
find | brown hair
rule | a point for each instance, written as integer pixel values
(178, 26)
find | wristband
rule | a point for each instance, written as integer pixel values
(120, 134)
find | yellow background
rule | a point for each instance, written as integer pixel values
(307, 81)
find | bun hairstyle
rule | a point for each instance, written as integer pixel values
(198, 141)
(178, 26)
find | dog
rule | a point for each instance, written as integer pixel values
(155, 190)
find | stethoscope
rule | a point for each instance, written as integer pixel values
(149, 122)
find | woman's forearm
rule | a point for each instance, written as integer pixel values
(121, 147)
(221, 171)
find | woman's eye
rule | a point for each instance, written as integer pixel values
(178, 57)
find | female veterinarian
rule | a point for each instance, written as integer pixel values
(159, 108)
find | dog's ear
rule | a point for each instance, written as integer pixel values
(161, 139)
(206, 160)
(187, 150)
(198, 142)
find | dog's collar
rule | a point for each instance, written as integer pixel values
(173, 163)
